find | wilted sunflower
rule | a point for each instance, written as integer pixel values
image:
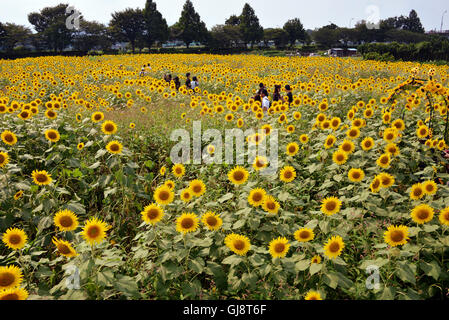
(178, 170)
(4, 159)
(64, 248)
(163, 195)
(94, 231)
(152, 214)
(238, 244)
(41, 178)
(109, 127)
(279, 247)
(330, 206)
(356, 175)
(10, 277)
(14, 238)
(288, 174)
(238, 175)
(66, 220)
(14, 294)
(313, 295)
(334, 247)
(304, 235)
(292, 149)
(9, 138)
(270, 205)
(186, 223)
(422, 214)
(430, 187)
(340, 157)
(212, 221)
(417, 192)
(396, 235)
(444, 216)
(114, 147)
(256, 197)
(197, 187)
(52, 135)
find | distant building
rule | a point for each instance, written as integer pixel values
(339, 52)
(444, 33)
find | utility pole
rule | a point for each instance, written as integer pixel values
(442, 20)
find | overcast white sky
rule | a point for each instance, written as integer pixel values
(273, 13)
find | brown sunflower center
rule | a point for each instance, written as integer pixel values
(238, 175)
(292, 149)
(334, 247)
(6, 279)
(397, 236)
(384, 160)
(304, 234)
(212, 221)
(93, 231)
(257, 197)
(109, 127)
(115, 147)
(11, 296)
(66, 221)
(63, 249)
(423, 214)
(346, 147)
(2, 158)
(356, 175)
(368, 144)
(279, 247)
(417, 192)
(331, 205)
(271, 205)
(288, 174)
(187, 223)
(239, 244)
(152, 214)
(9, 138)
(164, 195)
(97, 117)
(41, 178)
(52, 135)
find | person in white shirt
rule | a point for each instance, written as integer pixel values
(194, 83)
(265, 101)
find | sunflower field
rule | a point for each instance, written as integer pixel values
(92, 207)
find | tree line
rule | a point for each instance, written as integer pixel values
(145, 28)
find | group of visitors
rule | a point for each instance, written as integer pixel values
(190, 83)
(262, 96)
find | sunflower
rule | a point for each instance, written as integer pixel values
(279, 247)
(316, 260)
(163, 195)
(114, 147)
(260, 163)
(18, 195)
(10, 277)
(97, 117)
(170, 184)
(94, 231)
(330, 141)
(80, 146)
(4, 159)
(422, 132)
(353, 133)
(347, 146)
(197, 187)
(313, 295)
(238, 175)
(178, 170)
(212, 221)
(356, 175)
(304, 138)
(376, 184)
(444, 216)
(270, 205)
(152, 214)
(52, 135)
(386, 180)
(292, 149)
(330, 206)
(396, 235)
(51, 114)
(304, 235)
(340, 157)
(392, 149)
(64, 248)
(186, 195)
(288, 174)
(14, 294)
(238, 244)
(66, 220)
(367, 144)
(109, 127)
(384, 161)
(15, 238)
(334, 247)
(417, 192)
(186, 223)
(41, 178)
(9, 138)
(422, 214)
(256, 197)
(430, 187)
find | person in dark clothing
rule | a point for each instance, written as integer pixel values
(177, 83)
(261, 88)
(168, 78)
(289, 94)
(258, 98)
(277, 93)
(188, 81)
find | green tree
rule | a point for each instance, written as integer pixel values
(224, 36)
(327, 36)
(279, 36)
(233, 21)
(127, 25)
(15, 34)
(190, 26)
(92, 35)
(413, 23)
(295, 31)
(250, 27)
(50, 23)
(155, 26)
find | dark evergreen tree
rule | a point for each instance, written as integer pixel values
(190, 26)
(155, 26)
(127, 25)
(295, 31)
(250, 27)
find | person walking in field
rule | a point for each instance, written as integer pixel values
(277, 93)
(265, 100)
(177, 83)
(188, 81)
(289, 94)
(194, 83)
